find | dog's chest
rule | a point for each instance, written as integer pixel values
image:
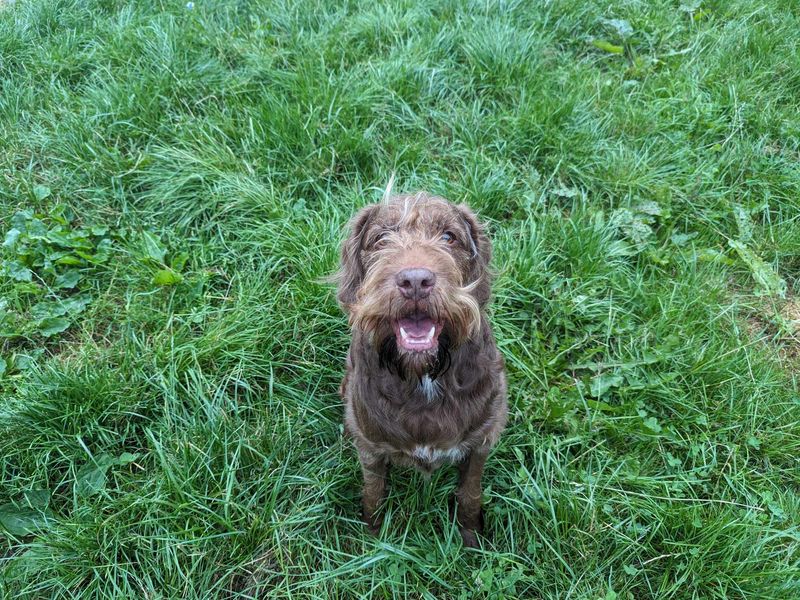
(429, 388)
(433, 455)
(436, 432)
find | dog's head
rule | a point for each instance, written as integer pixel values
(414, 275)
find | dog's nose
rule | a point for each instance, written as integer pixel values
(415, 283)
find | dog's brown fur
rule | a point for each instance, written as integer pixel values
(421, 408)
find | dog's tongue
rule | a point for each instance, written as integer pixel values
(417, 333)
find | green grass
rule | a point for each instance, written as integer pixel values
(169, 420)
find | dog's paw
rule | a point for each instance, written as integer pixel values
(469, 530)
(372, 523)
(469, 537)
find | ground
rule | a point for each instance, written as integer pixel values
(174, 182)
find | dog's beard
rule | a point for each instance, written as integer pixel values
(433, 364)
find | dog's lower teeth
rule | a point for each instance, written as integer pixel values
(415, 340)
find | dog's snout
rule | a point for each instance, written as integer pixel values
(415, 283)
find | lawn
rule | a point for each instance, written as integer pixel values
(174, 183)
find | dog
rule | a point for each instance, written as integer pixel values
(424, 381)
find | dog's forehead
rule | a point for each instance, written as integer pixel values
(417, 211)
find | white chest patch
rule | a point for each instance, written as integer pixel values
(429, 388)
(433, 455)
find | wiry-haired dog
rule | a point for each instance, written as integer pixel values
(424, 382)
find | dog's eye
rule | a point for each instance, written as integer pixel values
(448, 238)
(380, 239)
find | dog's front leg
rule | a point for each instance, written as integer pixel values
(468, 496)
(374, 471)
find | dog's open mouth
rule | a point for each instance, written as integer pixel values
(417, 333)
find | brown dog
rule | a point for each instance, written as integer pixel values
(424, 382)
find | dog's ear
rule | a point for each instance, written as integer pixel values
(481, 249)
(351, 271)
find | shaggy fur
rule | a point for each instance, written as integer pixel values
(424, 382)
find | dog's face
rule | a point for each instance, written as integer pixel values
(414, 275)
